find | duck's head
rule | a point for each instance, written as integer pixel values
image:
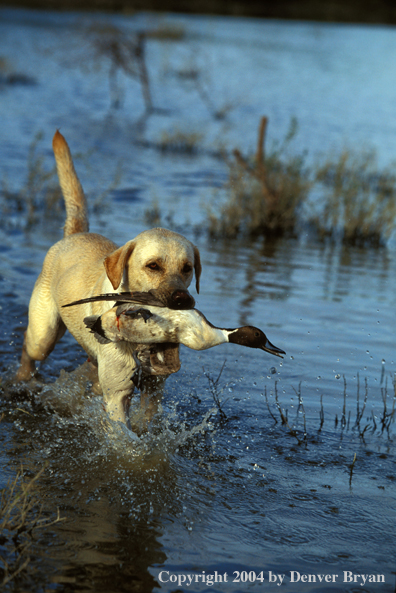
(252, 337)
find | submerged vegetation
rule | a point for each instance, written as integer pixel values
(365, 422)
(272, 194)
(40, 192)
(21, 516)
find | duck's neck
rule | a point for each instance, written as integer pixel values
(209, 336)
(233, 335)
(220, 335)
(199, 334)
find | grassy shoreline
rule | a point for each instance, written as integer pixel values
(349, 11)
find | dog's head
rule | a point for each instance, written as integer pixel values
(156, 259)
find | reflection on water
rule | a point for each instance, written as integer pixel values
(200, 492)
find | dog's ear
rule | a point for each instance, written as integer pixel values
(116, 262)
(197, 267)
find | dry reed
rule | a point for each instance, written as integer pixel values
(359, 199)
(21, 515)
(271, 194)
(265, 192)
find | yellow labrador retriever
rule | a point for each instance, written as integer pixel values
(85, 264)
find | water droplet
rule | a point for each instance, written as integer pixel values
(273, 370)
(337, 376)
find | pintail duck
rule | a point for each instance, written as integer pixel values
(142, 318)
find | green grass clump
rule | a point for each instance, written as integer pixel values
(265, 192)
(359, 200)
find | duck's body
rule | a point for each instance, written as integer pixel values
(151, 324)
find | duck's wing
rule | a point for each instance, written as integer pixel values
(106, 328)
(94, 324)
(140, 298)
(132, 311)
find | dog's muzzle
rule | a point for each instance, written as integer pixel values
(181, 299)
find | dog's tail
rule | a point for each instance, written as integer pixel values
(76, 206)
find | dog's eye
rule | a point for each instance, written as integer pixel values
(153, 266)
(186, 269)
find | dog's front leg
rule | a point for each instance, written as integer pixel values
(151, 391)
(116, 366)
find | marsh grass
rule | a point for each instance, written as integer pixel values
(40, 193)
(216, 391)
(265, 192)
(271, 194)
(124, 52)
(21, 517)
(40, 197)
(179, 142)
(199, 80)
(10, 77)
(167, 32)
(154, 217)
(363, 424)
(359, 199)
(121, 52)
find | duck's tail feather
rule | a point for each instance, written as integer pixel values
(140, 298)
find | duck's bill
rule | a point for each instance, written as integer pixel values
(268, 347)
(141, 298)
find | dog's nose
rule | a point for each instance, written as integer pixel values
(181, 299)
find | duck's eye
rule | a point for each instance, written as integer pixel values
(187, 268)
(153, 266)
(257, 334)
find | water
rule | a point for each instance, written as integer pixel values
(201, 492)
